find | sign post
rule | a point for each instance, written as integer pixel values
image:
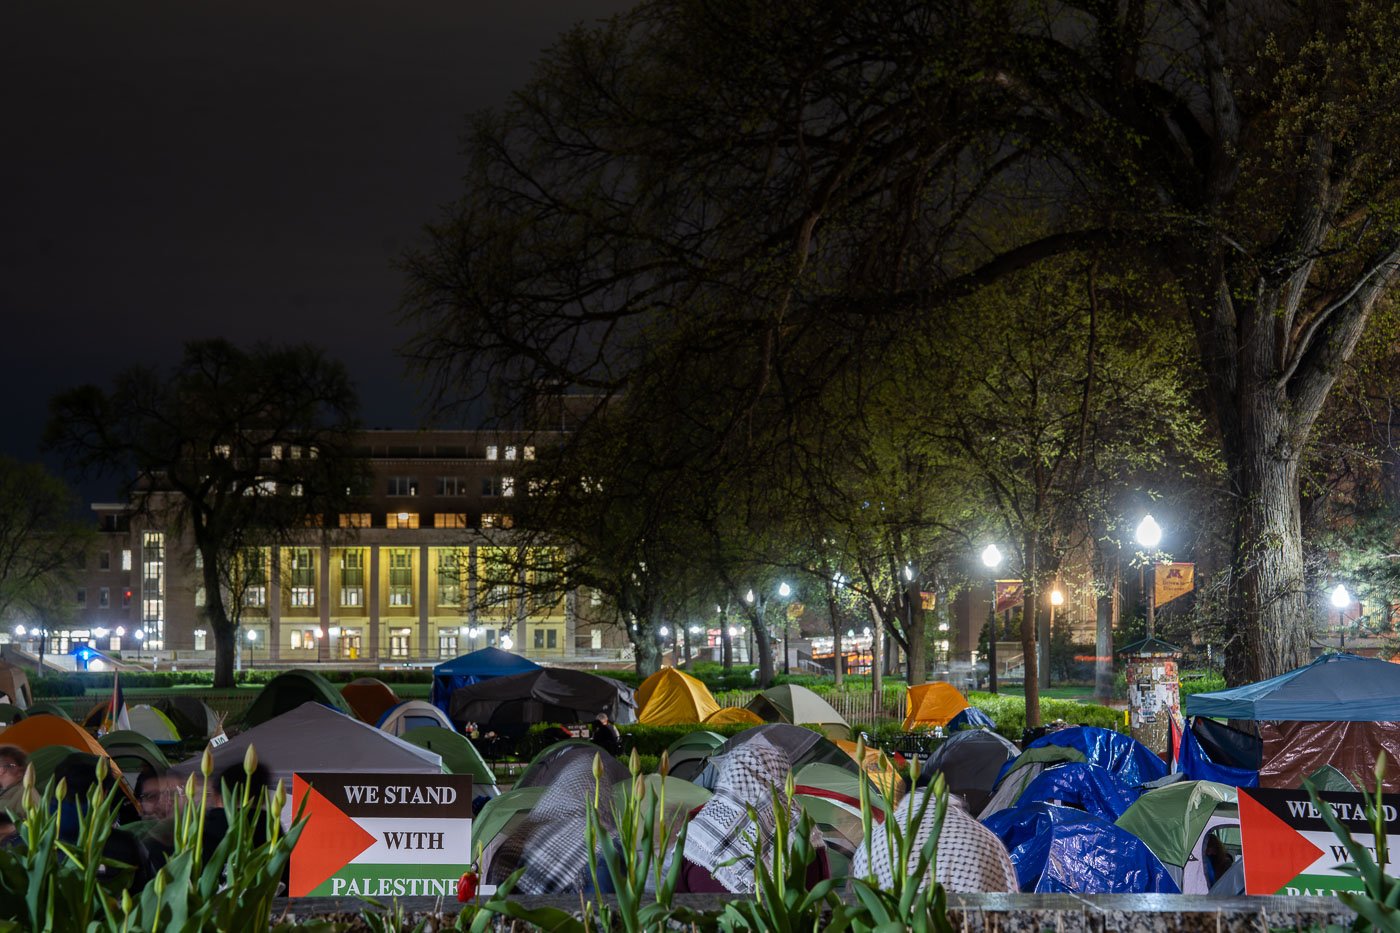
(381, 835)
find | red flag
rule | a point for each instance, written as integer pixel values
(1010, 593)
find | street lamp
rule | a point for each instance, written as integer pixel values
(1341, 599)
(1149, 535)
(784, 591)
(140, 636)
(1056, 599)
(991, 558)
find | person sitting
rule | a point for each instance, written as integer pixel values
(606, 736)
(122, 849)
(721, 838)
(13, 762)
(970, 858)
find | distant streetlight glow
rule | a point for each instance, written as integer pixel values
(784, 589)
(1149, 533)
(1057, 598)
(991, 556)
(1340, 597)
(252, 635)
(665, 631)
(908, 572)
(507, 642)
(748, 597)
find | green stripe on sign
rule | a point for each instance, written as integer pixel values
(1321, 885)
(392, 881)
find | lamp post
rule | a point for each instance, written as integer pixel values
(1056, 599)
(1341, 599)
(785, 591)
(1149, 535)
(991, 557)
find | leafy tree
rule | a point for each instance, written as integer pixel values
(42, 543)
(247, 449)
(751, 179)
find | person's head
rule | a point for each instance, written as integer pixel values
(602, 719)
(13, 761)
(157, 796)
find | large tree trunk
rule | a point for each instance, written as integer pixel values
(917, 636)
(225, 629)
(764, 645)
(1029, 609)
(831, 608)
(1269, 596)
(648, 652)
(726, 642)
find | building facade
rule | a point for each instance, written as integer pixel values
(420, 576)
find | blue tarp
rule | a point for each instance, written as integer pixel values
(1060, 850)
(1085, 787)
(970, 718)
(1130, 761)
(1197, 766)
(473, 668)
(1334, 688)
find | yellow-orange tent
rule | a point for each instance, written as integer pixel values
(44, 730)
(670, 697)
(933, 704)
(730, 715)
(887, 780)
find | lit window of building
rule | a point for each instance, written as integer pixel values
(528, 451)
(126, 559)
(491, 452)
(507, 485)
(352, 578)
(400, 577)
(401, 520)
(355, 520)
(510, 451)
(450, 520)
(496, 520)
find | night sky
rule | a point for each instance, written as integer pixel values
(242, 168)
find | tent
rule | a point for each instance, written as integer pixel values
(10, 713)
(552, 694)
(671, 697)
(459, 755)
(730, 715)
(412, 714)
(1340, 710)
(313, 738)
(970, 762)
(503, 813)
(1063, 850)
(45, 708)
(14, 684)
(933, 704)
(542, 767)
(970, 718)
(126, 745)
(1082, 786)
(1125, 756)
(44, 730)
(802, 746)
(369, 698)
(885, 777)
(799, 706)
(473, 668)
(153, 724)
(192, 716)
(687, 754)
(1017, 774)
(1174, 822)
(286, 692)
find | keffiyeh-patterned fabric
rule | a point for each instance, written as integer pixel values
(970, 857)
(723, 832)
(552, 842)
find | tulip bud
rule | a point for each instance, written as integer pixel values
(789, 786)
(663, 767)
(29, 778)
(915, 766)
(61, 790)
(598, 767)
(638, 786)
(1380, 767)
(250, 760)
(279, 797)
(206, 761)
(634, 762)
(101, 768)
(189, 787)
(860, 750)
(127, 902)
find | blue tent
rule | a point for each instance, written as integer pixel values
(970, 718)
(1129, 760)
(473, 668)
(1197, 765)
(1060, 850)
(1334, 688)
(1082, 786)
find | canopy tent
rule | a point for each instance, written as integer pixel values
(1173, 822)
(552, 694)
(933, 704)
(797, 705)
(313, 738)
(1124, 755)
(194, 718)
(1060, 849)
(288, 691)
(970, 762)
(732, 715)
(14, 684)
(671, 697)
(473, 668)
(1341, 710)
(459, 755)
(1082, 786)
(369, 698)
(412, 714)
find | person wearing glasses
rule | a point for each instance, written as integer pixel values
(13, 761)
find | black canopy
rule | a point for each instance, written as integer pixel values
(550, 694)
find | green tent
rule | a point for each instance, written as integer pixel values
(1171, 821)
(286, 692)
(129, 749)
(43, 706)
(1328, 778)
(459, 755)
(801, 707)
(502, 812)
(830, 795)
(701, 739)
(540, 768)
(10, 713)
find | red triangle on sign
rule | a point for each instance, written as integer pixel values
(1274, 851)
(329, 841)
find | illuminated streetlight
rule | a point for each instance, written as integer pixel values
(507, 642)
(1149, 535)
(784, 590)
(991, 559)
(1341, 599)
